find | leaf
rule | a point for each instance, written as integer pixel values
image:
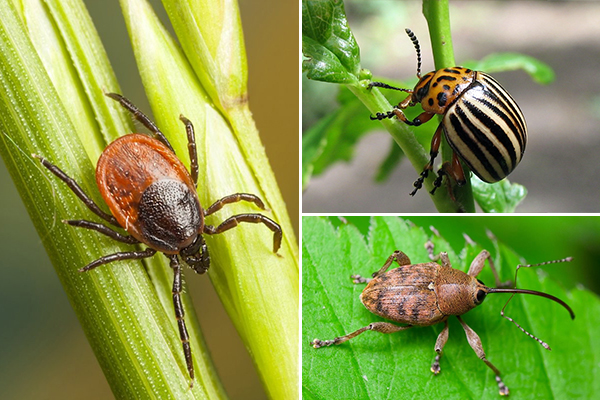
(334, 137)
(499, 197)
(327, 42)
(539, 71)
(377, 366)
(392, 160)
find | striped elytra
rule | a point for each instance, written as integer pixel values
(481, 122)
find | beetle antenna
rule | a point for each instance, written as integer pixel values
(536, 293)
(415, 41)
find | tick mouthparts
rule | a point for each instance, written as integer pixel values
(541, 294)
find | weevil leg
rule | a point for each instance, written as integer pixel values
(129, 255)
(103, 229)
(443, 256)
(141, 117)
(383, 327)
(398, 256)
(435, 148)
(234, 198)
(180, 316)
(439, 345)
(75, 188)
(478, 264)
(189, 129)
(233, 221)
(475, 343)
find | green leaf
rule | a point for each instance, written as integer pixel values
(392, 160)
(499, 197)
(334, 137)
(327, 42)
(377, 366)
(539, 71)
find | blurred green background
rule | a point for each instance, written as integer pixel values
(536, 238)
(44, 354)
(560, 164)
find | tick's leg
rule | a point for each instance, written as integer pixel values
(179, 315)
(439, 345)
(234, 198)
(383, 327)
(141, 117)
(475, 343)
(199, 264)
(75, 188)
(189, 128)
(435, 148)
(233, 221)
(103, 229)
(129, 255)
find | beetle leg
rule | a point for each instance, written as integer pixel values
(386, 86)
(429, 246)
(439, 345)
(128, 255)
(75, 188)
(234, 198)
(478, 264)
(234, 220)
(383, 327)
(451, 169)
(189, 128)
(475, 343)
(435, 148)
(398, 256)
(103, 229)
(141, 117)
(180, 316)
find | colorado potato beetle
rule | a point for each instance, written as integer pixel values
(153, 197)
(482, 122)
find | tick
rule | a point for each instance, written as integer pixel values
(154, 199)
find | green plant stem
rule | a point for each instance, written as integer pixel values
(405, 138)
(437, 14)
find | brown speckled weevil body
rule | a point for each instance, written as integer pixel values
(428, 293)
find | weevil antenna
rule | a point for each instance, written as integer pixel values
(415, 41)
(536, 293)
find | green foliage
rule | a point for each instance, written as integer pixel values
(327, 42)
(499, 197)
(539, 71)
(375, 366)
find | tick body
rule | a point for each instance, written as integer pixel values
(154, 199)
(482, 123)
(429, 293)
(150, 193)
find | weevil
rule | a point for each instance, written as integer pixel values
(429, 293)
